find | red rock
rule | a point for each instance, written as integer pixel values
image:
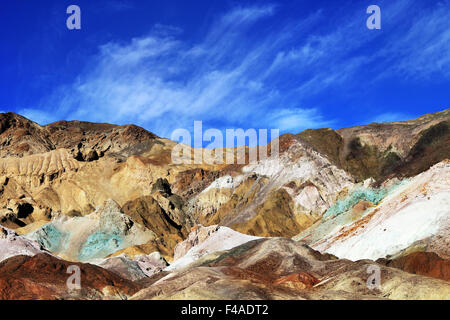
(44, 277)
(304, 278)
(423, 263)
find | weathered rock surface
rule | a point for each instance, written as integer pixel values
(204, 240)
(72, 167)
(11, 244)
(135, 269)
(94, 236)
(163, 215)
(416, 210)
(45, 277)
(423, 263)
(338, 191)
(275, 197)
(284, 269)
(20, 137)
(379, 150)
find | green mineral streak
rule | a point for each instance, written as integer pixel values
(373, 195)
(100, 245)
(51, 238)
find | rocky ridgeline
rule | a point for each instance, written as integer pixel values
(110, 195)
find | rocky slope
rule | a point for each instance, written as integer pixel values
(424, 263)
(44, 277)
(94, 236)
(284, 269)
(78, 192)
(140, 267)
(204, 240)
(381, 150)
(21, 137)
(11, 244)
(416, 211)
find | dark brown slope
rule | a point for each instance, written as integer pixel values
(20, 137)
(380, 150)
(84, 137)
(423, 263)
(163, 222)
(44, 277)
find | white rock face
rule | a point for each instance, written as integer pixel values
(206, 240)
(152, 263)
(310, 197)
(417, 210)
(317, 182)
(225, 182)
(302, 164)
(134, 269)
(12, 245)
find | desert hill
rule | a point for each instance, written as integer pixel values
(110, 195)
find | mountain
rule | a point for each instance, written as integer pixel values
(384, 150)
(44, 277)
(110, 196)
(280, 268)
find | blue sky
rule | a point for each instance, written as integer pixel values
(290, 65)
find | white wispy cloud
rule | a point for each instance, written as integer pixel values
(423, 50)
(113, 5)
(163, 83)
(298, 119)
(232, 79)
